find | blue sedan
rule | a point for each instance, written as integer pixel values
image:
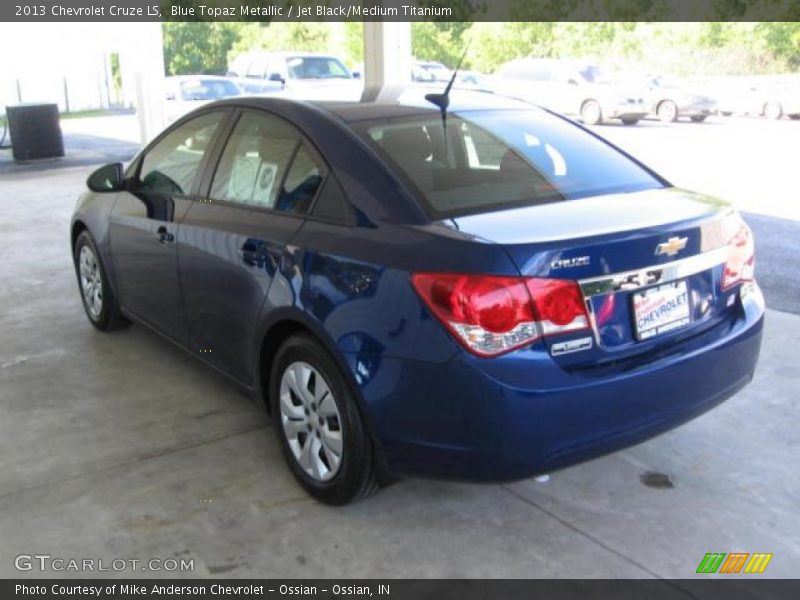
(483, 293)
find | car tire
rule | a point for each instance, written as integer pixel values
(794, 117)
(629, 121)
(773, 110)
(591, 113)
(667, 111)
(698, 118)
(98, 298)
(316, 416)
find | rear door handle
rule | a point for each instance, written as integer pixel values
(164, 236)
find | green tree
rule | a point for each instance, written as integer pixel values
(198, 47)
(783, 40)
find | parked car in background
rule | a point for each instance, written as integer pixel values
(428, 71)
(523, 298)
(304, 75)
(187, 92)
(669, 99)
(258, 87)
(572, 88)
(769, 99)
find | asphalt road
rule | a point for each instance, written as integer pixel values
(751, 162)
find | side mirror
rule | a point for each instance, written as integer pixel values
(356, 75)
(169, 96)
(572, 81)
(276, 77)
(108, 178)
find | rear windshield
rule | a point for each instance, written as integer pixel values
(499, 159)
(316, 67)
(208, 89)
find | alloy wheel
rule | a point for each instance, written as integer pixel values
(91, 282)
(310, 421)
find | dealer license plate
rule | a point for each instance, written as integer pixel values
(661, 309)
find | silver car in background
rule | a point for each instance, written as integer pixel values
(184, 93)
(572, 88)
(669, 99)
(771, 99)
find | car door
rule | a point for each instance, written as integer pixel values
(232, 240)
(144, 223)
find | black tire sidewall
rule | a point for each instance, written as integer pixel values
(356, 463)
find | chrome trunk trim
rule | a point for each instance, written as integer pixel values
(647, 276)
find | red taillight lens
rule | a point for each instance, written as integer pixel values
(491, 314)
(558, 305)
(740, 265)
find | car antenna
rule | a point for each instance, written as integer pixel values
(443, 100)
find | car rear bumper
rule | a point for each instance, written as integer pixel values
(472, 419)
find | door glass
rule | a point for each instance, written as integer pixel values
(255, 160)
(170, 167)
(302, 182)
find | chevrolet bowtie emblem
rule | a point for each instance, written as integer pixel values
(672, 246)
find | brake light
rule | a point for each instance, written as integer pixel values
(491, 314)
(740, 264)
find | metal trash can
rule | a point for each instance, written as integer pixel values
(35, 131)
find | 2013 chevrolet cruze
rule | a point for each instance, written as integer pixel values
(482, 293)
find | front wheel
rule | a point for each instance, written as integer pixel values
(99, 302)
(322, 434)
(667, 111)
(591, 113)
(773, 110)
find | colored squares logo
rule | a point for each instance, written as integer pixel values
(734, 562)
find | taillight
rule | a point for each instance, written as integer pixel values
(492, 314)
(740, 264)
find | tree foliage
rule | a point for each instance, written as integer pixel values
(690, 48)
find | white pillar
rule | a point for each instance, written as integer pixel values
(148, 75)
(387, 54)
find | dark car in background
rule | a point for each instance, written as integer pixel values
(486, 296)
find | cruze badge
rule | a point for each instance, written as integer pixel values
(672, 246)
(576, 261)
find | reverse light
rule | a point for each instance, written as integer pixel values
(740, 264)
(491, 315)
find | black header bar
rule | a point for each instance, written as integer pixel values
(398, 10)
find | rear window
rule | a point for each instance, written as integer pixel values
(208, 89)
(500, 159)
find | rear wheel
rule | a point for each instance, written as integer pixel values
(667, 111)
(322, 434)
(773, 110)
(99, 302)
(630, 120)
(794, 117)
(591, 113)
(698, 118)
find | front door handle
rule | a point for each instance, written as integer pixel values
(164, 236)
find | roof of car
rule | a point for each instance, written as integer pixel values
(392, 102)
(410, 100)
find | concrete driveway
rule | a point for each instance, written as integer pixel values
(121, 446)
